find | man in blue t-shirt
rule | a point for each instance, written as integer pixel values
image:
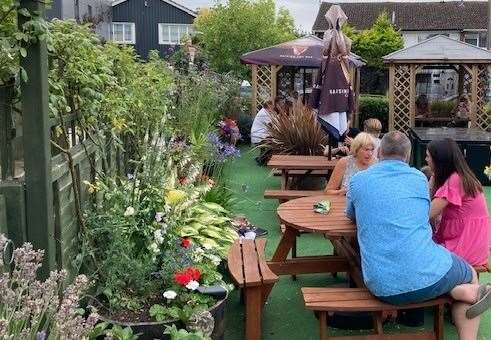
(401, 263)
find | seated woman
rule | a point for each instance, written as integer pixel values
(361, 158)
(422, 106)
(463, 107)
(458, 197)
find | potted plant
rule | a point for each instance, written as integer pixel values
(155, 245)
(297, 134)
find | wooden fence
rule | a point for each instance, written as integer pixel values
(87, 162)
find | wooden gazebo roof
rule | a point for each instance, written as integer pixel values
(440, 50)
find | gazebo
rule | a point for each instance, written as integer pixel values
(279, 66)
(470, 62)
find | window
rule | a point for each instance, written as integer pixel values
(476, 39)
(124, 32)
(173, 34)
(89, 11)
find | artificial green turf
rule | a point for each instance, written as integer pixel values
(284, 316)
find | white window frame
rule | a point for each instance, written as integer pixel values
(125, 40)
(169, 41)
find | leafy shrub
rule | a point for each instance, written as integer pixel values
(296, 134)
(441, 108)
(374, 107)
(245, 124)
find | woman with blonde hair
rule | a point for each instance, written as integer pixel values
(360, 158)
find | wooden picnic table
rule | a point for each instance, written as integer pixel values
(291, 163)
(298, 216)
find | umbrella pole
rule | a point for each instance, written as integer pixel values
(304, 76)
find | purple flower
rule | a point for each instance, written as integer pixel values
(41, 336)
(222, 151)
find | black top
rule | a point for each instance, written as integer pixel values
(458, 134)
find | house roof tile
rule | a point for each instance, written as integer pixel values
(413, 16)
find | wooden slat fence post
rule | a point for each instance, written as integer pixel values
(6, 130)
(37, 151)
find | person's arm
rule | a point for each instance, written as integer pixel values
(334, 185)
(437, 207)
(350, 206)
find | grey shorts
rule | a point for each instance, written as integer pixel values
(460, 273)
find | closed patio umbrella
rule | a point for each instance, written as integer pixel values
(332, 94)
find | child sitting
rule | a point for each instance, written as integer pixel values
(373, 127)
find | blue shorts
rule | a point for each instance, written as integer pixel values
(459, 273)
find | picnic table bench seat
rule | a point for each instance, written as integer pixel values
(302, 173)
(249, 270)
(286, 195)
(327, 300)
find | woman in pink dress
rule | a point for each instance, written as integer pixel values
(458, 197)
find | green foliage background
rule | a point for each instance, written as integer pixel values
(226, 31)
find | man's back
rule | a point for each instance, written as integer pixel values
(259, 129)
(391, 204)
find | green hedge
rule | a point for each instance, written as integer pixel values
(374, 107)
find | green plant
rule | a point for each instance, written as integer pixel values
(19, 27)
(114, 332)
(182, 334)
(235, 27)
(33, 309)
(374, 107)
(442, 108)
(296, 134)
(245, 124)
(220, 194)
(378, 41)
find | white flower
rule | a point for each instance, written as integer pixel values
(154, 248)
(130, 211)
(158, 236)
(215, 259)
(159, 216)
(192, 285)
(170, 294)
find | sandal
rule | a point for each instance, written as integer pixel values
(483, 302)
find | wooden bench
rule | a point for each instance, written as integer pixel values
(249, 270)
(327, 300)
(287, 195)
(303, 173)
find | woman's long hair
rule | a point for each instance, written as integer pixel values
(447, 159)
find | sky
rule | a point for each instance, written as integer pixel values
(304, 11)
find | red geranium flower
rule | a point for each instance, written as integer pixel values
(194, 273)
(185, 243)
(182, 278)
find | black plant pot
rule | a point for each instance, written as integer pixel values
(155, 330)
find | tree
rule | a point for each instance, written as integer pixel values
(226, 31)
(373, 44)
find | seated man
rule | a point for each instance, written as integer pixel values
(259, 129)
(400, 262)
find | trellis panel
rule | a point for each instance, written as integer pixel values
(401, 98)
(264, 85)
(483, 116)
